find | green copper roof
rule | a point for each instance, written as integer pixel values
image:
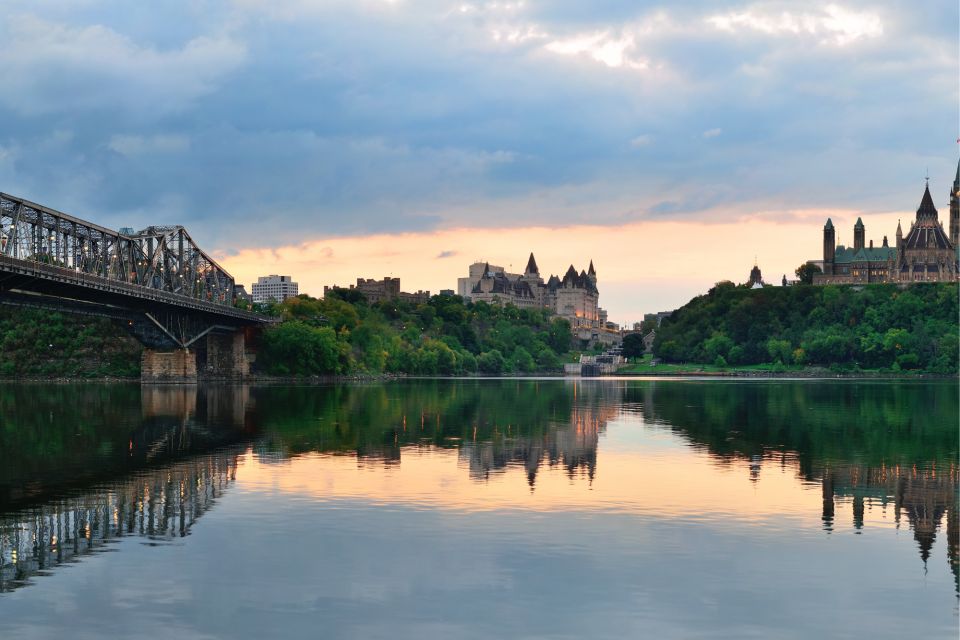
(867, 254)
(829, 224)
(859, 224)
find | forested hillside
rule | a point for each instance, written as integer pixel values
(444, 336)
(40, 344)
(848, 328)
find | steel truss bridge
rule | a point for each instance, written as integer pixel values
(165, 288)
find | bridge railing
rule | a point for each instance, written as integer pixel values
(76, 277)
(164, 259)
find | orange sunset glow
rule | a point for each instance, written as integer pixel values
(643, 267)
(638, 481)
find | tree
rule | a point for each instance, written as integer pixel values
(718, 345)
(633, 346)
(806, 271)
(523, 361)
(297, 348)
(491, 362)
(560, 335)
(779, 350)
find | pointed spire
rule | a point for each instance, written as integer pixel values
(532, 265)
(829, 224)
(486, 270)
(956, 180)
(591, 271)
(899, 228)
(927, 211)
(859, 224)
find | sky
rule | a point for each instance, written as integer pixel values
(673, 143)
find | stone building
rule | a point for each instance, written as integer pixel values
(574, 296)
(376, 291)
(926, 254)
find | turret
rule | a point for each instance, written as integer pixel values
(829, 247)
(926, 212)
(859, 232)
(955, 209)
(899, 236)
(531, 266)
(885, 243)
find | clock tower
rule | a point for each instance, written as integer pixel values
(955, 210)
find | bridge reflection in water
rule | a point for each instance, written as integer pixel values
(167, 467)
(138, 461)
(158, 505)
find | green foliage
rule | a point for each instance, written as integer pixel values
(846, 328)
(491, 362)
(806, 271)
(297, 348)
(633, 346)
(38, 344)
(523, 361)
(444, 336)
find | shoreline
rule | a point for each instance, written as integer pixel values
(806, 373)
(812, 374)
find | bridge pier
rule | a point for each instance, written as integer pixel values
(226, 356)
(179, 365)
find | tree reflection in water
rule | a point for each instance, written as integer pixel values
(82, 465)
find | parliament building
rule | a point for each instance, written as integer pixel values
(927, 253)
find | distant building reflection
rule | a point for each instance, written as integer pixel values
(572, 446)
(924, 497)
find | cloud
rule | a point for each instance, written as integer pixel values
(137, 145)
(834, 24)
(340, 117)
(55, 67)
(612, 51)
(446, 254)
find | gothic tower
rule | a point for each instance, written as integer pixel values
(531, 267)
(859, 233)
(829, 247)
(955, 210)
(592, 274)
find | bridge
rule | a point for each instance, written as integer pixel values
(166, 291)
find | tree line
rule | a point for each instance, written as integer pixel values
(881, 326)
(344, 334)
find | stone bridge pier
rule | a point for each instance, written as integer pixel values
(179, 365)
(216, 356)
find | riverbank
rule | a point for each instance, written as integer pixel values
(670, 371)
(810, 373)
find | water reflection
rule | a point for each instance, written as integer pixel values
(80, 466)
(57, 439)
(158, 505)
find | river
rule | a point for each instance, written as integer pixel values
(520, 508)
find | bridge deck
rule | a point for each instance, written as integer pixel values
(75, 278)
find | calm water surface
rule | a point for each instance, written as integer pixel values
(479, 509)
